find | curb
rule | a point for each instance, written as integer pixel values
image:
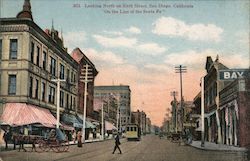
(222, 150)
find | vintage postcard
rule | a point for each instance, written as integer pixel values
(127, 80)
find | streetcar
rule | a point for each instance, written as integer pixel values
(133, 132)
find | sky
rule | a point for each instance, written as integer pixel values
(139, 43)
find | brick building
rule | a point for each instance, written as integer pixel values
(82, 60)
(227, 117)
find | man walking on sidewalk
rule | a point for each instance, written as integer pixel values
(117, 143)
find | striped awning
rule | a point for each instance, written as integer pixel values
(18, 114)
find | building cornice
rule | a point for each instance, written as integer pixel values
(26, 25)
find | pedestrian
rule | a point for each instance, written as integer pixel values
(117, 143)
(6, 138)
(79, 138)
(74, 136)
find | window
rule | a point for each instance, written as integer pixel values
(38, 56)
(61, 98)
(74, 103)
(67, 101)
(71, 79)
(31, 87)
(74, 78)
(43, 91)
(71, 100)
(68, 75)
(61, 71)
(1, 49)
(53, 66)
(51, 94)
(12, 85)
(32, 52)
(36, 90)
(13, 48)
(44, 60)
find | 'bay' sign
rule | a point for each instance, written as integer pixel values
(231, 74)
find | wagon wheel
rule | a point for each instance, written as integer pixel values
(65, 145)
(55, 146)
(61, 146)
(42, 146)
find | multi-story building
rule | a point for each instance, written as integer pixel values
(122, 95)
(139, 118)
(148, 125)
(234, 113)
(30, 59)
(227, 116)
(109, 106)
(82, 60)
(212, 87)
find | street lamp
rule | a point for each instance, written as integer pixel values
(58, 100)
(86, 76)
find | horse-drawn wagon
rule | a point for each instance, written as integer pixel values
(58, 142)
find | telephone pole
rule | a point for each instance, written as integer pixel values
(174, 94)
(86, 76)
(181, 69)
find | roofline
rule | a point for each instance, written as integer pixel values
(30, 23)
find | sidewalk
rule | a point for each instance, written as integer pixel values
(217, 147)
(11, 146)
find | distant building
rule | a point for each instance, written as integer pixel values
(122, 95)
(109, 105)
(148, 125)
(139, 118)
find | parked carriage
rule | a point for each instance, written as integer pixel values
(58, 142)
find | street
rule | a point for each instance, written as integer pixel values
(150, 148)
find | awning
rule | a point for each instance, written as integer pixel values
(88, 124)
(71, 120)
(18, 114)
(66, 127)
(109, 126)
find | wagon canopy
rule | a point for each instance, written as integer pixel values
(18, 114)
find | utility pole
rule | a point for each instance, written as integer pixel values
(58, 100)
(86, 76)
(102, 122)
(202, 113)
(174, 94)
(181, 69)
